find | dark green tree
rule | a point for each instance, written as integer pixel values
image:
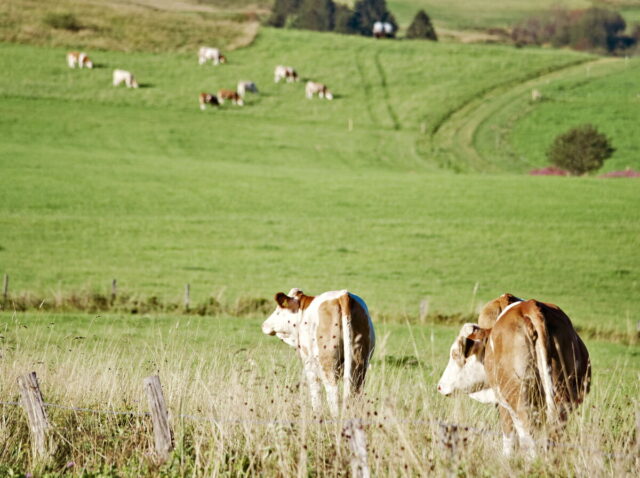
(367, 12)
(345, 20)
(315, 15)
(421, 27)
(580, 150)
(597, 28)
(281, 11)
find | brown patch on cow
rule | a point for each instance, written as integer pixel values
(493, 309)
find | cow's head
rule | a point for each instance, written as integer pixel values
(284, 321)
(87, 62)
(328, 95)
(222, 59)
(465, 371)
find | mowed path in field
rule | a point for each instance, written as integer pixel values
(142, 186)
(499, 111)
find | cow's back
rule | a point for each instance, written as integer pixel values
(569, 358)
(512, 362)
(329, 335)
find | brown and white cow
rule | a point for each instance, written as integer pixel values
(80, 59)
(334, 337)
(532, 363)
(207, 99)
(230, 95)
(285, 73)
(313, 88)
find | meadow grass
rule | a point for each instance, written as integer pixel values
(126, 25)
(101, 182)
(238, 408)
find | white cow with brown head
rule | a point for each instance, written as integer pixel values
(313, 88)
(333, 336)
(285, 73)
(207, 53)
(126, 77)
(532, 363)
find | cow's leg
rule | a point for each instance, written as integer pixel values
(508, 432)
(331, 387)
(313, 382)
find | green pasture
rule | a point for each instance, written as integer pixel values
(484, 14)
(140, 185)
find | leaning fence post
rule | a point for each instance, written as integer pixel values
(31, 400)
(5, 288)
(162, 434)
(114, 291)
(353, 431)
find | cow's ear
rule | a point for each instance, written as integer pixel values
(282, 299)
(479, 334)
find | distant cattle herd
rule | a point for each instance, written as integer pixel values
(215, 56)
(523, 355)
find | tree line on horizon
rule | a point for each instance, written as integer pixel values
(327, 15)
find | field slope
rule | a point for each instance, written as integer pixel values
(140, 185)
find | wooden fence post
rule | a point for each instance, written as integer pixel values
(187, 293)
(5, 288)
(31, 400)
(162, 434)
(353, 431)
(424, 310)
(114, 291)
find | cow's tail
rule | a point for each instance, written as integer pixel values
(542, 347)
(347, 344)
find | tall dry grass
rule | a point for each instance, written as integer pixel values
(127, 25)
(238, 408)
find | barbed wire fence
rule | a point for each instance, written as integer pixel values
(451, 436)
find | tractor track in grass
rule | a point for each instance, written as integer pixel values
(453, 141)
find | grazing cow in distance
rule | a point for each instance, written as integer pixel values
(320, 89)
(244, 86)
(123, 76)
(207, 53)
(333, 335)
(532, 363)
(285, 73)
(207, 99)
(383, 30)
(230, 95)
(80, 59)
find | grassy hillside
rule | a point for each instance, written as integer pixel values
(482, 14)
(140, 185)
(237, 406)
(131, 25)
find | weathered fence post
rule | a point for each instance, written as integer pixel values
(162, 434)
(353, 431)
(31, 400)
(5, 288)
(187, 293)
(114, 291)
(424, 310)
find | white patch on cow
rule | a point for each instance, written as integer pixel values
(484, 396)
(508, 443)
(525, 439)
(465, 379)
(508, 308)
(284, 324)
